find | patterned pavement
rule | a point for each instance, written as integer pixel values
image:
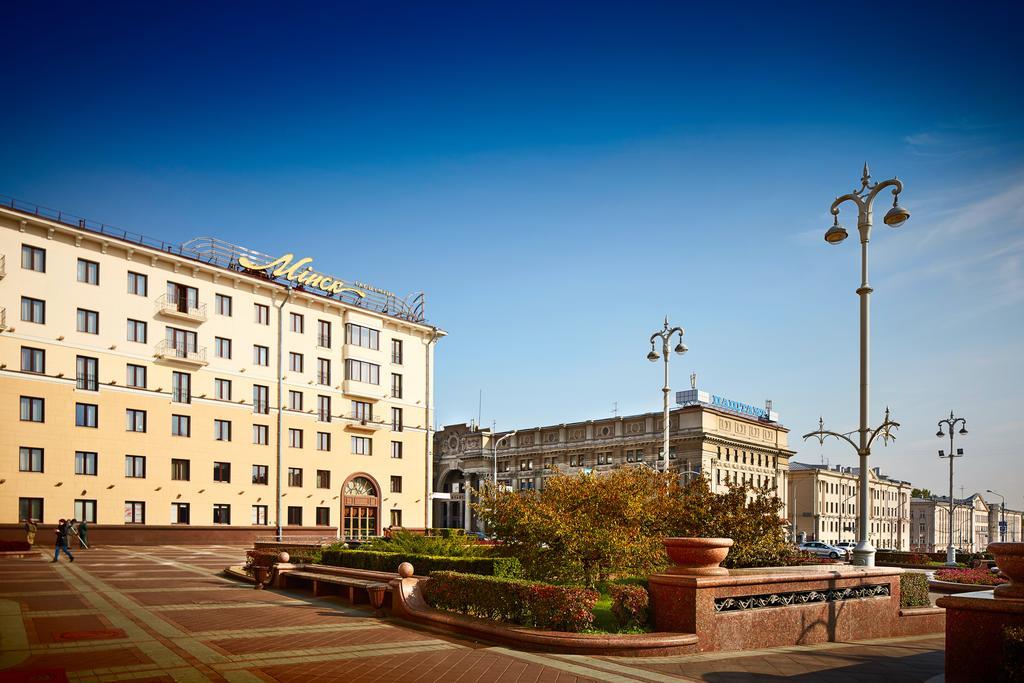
(165, 614)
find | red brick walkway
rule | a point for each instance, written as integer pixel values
(166, 614)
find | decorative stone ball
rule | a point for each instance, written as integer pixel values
(405, 570)
(284, 557)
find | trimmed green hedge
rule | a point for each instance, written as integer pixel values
(527, 603)
(914, 590)
(424, 565)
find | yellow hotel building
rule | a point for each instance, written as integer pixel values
(167, 393)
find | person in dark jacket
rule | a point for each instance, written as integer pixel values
(62, 541)
(83, 535)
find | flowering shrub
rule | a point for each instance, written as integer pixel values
(259, 558)
(981, 577)
(527, 603)
(629, 605)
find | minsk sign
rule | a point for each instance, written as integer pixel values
(300, 272)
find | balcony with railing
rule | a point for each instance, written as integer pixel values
(323, 341)
(323, 378)
(363, 422)
(261, 406)
(87, 382)
(182, 353)
(181, 308)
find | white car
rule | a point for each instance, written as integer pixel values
(848, 546)
(823, 549)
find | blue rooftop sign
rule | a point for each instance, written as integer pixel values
(692, 396)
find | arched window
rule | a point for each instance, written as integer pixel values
(360, 508)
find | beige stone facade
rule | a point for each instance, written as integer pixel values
(139, 386)
(722, 445)
(823, 505)
(975, 523)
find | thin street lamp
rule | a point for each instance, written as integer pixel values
(864, 199)
(1002, 517)
(665, 335)
(951, 423)
(848, 498)
(494, 447)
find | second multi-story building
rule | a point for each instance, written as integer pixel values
(823, 505)
(170, 389)
(975, 523)
(725, 441)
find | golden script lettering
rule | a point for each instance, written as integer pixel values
(283, 267)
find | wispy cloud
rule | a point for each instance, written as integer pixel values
(950, 141)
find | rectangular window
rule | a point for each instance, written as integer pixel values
(294, 400)
(179, 513)
(294, 515)
(221, 514)
(30, 508)
(362, 336)
(181, 425)
(295, 438)
(396, 450)
(135, 420)
(87, 372)
(33, 360)
(181, 470)
(185, 299)
(323, 516)
(260, 355)
(361, 410)
(181, 387)
(88, 272)
(260, 474)
(296, 362)
(134, 512)
(32, 409)
(323, 479)
(323, 441)
(86, 415)
(261, 435)
(88, 321)
(33, 258)
(396, 484)
(86, 463)
(184, 343)
(33, 310)
(396, 419)
(136, 376)
(222, 389)
(295, 476)
(296, 322)
(262, 314)
(30, 459)
(323, 337)
(361, 371)
(222, 347)
(323, 371)
(259, 515)
(222, 304)
(323, 408)
(138, 284)
(362, 445)
(137, 331)
(396, 351)
(135, 466)
(85, 510)
(396, 385)
(222, 430)
(396, 518)
(222, 472)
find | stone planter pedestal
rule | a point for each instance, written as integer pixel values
(1010, 560)
(697, 556)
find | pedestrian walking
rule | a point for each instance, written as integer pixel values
(30, 531)
(83, 535)
(62, 541)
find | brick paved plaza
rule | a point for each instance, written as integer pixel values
(131, 613)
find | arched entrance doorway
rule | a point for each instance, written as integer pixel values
(360, 507)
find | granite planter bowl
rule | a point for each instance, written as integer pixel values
(1010, 560)
(697, 556)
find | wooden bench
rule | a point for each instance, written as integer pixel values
(357, 588)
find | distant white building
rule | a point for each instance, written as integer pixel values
(975, 523)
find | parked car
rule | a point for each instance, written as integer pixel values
(823, 549)
(848, 546)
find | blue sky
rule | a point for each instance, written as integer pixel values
(557, 179)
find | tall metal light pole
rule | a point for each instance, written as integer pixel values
(864, 199)
(951, 423)
(494, 447)
(665, 335)
(1002, 517)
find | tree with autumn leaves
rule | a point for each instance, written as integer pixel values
(585, 528)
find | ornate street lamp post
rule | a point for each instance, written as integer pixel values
(864, 199)
(1002, 518)
(665, 335)
(951, 423)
